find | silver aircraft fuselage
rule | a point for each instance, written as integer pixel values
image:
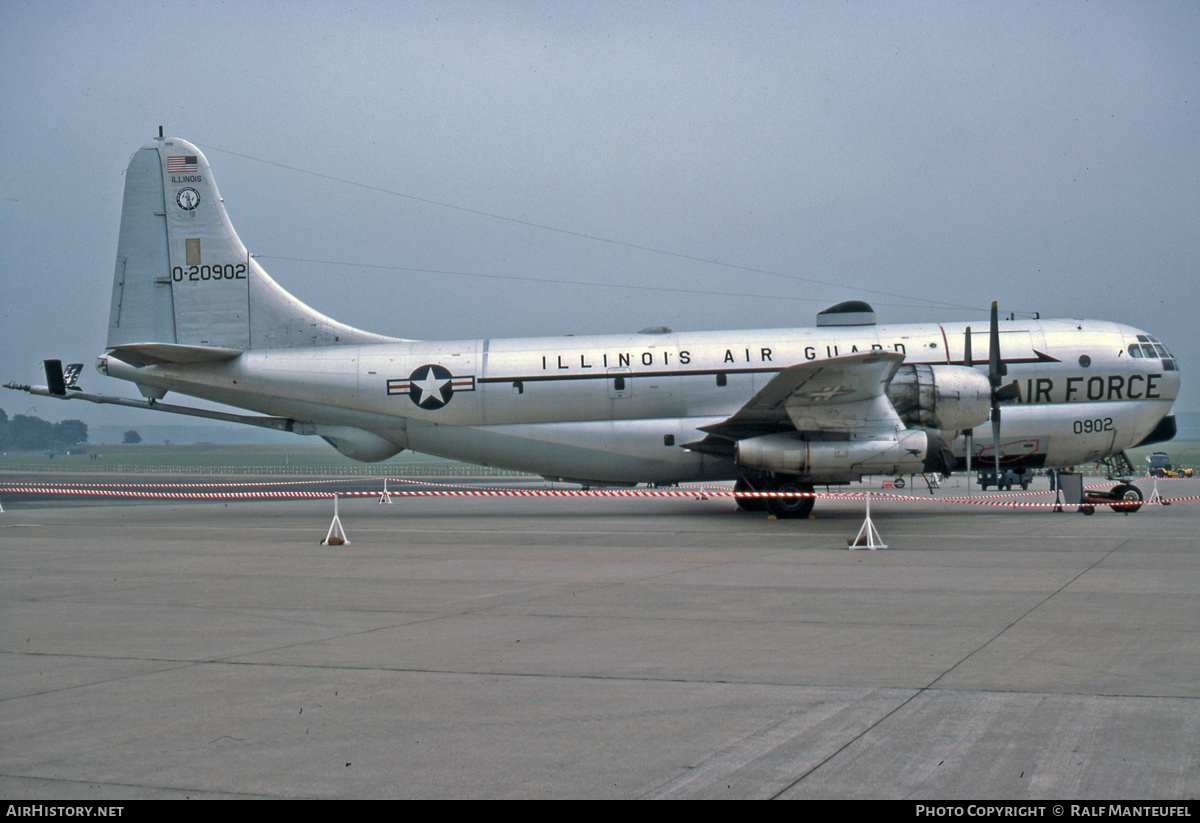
(621, 409)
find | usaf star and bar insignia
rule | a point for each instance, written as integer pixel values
(431, 386)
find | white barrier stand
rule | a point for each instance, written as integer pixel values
(386, 498)
(868, 537)
(336, 536)
(1155, 498)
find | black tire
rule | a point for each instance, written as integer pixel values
(787, 508)
(1130, 494)
(747, 504)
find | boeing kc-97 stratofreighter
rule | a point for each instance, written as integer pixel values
(776, 410)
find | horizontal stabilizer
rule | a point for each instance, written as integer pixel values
(157, 354)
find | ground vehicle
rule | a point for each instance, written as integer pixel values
(1007, 479)
(1160, 466)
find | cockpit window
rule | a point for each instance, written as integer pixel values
(1148, 347)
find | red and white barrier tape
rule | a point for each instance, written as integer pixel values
(142, 490)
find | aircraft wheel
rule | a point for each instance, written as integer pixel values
(1131, 495)
(790, 507)
(747, 504)
(1088, 509)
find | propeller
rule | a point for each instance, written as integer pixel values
(969, 434)
(996, 372)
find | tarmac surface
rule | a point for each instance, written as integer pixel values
(608, 648)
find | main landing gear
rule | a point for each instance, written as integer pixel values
(795, 501)
(1125, 498)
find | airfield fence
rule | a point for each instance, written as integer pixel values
(365, 470)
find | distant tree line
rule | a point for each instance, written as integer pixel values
(24, 431)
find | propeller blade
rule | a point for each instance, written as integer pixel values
(969, 434)
(996, 438)
(967, 361)
(996, 372)
(996, 367)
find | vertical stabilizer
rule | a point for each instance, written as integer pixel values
(183, 276)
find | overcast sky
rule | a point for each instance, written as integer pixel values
(696, 165)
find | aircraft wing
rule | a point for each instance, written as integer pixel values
(842, 394)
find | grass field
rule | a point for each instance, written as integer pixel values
(217, 458)
(317, 458)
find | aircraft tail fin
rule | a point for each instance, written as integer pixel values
(182, 275)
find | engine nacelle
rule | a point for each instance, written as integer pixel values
(945, 398)
(844, 460)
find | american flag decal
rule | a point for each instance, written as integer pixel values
(182, 164)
